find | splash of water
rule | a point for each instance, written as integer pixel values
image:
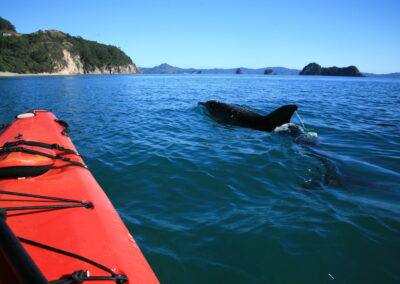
(309, 134)
(301, 121)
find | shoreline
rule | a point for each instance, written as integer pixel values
(10, 74)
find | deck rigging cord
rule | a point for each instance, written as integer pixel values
(77, 276)
(78, 203)
(7, 149)
(40, 144)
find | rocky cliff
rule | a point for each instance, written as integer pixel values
(73, 64)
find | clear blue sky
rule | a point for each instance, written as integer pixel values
(235, 33)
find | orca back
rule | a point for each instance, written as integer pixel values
(235, 115)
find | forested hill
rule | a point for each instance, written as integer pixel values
(316, 69)
(6, 26)
(57, 52)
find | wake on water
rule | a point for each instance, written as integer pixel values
(329, 174)
(299, 133)
(308, 141)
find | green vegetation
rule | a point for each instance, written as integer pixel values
(43, 52)
(269, 72)
(316, 69)
(94, 54)
(6, 25)
(32, 53)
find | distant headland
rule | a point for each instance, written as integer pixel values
(316, 69)
(54, 52)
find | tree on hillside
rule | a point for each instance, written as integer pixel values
(6, 25)
(268, 72)
(239, 71)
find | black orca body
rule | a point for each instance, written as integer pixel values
(235, 115)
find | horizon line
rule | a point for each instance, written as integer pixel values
(255, 68)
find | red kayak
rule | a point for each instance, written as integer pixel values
(56, 223)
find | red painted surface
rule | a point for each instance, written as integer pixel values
(98, 234)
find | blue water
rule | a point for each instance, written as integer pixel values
(211, 203)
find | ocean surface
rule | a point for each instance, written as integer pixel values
(212, 203)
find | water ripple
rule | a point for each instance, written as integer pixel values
(211, 203)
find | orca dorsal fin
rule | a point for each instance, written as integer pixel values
(281, 115)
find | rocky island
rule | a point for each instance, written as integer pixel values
(269, 72)
(55, 52)
(316, 69)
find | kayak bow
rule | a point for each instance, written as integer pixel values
(57, 225)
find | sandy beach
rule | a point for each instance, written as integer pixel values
(10, 74)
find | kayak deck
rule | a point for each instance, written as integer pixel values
(91, 228)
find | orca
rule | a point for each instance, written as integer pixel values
(239, 116)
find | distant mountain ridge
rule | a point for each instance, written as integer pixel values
(168, 69)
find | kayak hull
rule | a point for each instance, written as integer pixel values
(96, 233)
